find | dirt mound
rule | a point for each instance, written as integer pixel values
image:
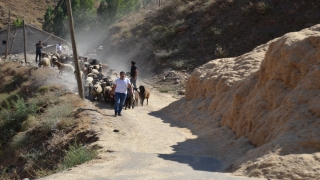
(269, 95)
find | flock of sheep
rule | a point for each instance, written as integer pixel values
(97, 78)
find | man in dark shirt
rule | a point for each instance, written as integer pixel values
(133, 74)
(38, 51)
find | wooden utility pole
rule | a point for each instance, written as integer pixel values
(24, 41)
(14, 37)
(74, 49)
(7, 43)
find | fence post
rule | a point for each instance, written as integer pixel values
(24, 41)
(8, 31)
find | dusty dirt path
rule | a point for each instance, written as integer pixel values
(144, 147)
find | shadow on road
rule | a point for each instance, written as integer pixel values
(213, 148)
(197, 163)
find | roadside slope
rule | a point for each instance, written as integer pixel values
(269, 95)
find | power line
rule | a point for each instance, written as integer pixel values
(29, 29)
(35, 43)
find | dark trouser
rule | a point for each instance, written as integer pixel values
(133, 82)
(120, 99)
(38, 53)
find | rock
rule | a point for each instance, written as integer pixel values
(181, 92)
(93, 122)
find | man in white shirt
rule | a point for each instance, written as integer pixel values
(59, 49)
(120, 88)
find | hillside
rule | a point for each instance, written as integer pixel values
(32, 10)
(185, 34)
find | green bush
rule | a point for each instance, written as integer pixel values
(17, 22)
(78, 154)
(12, 117)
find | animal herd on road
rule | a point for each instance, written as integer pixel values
(97, 78)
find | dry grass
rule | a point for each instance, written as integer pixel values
(52, 107)
(34, 11)
(31, 122)
(19, 140)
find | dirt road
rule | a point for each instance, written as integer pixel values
(146, 147)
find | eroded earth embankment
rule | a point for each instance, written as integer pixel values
(270, 99)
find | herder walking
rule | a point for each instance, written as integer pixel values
(38, 51)
(133, 74)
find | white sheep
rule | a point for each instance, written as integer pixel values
(96, 91)
(94, 71)
(87, 85)
(64, 68)
(45, 62)
(106, 93)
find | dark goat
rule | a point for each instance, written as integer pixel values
(129, 102)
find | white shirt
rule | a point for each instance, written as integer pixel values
(59, 48)
(122, 85)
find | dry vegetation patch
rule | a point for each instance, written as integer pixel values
(42, 130)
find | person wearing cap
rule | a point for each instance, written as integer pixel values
(38, 51)
(120, 89)
(133, 74)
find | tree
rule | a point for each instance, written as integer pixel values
(17, 22)
(56, 20)
(47, 25)
(110, 10)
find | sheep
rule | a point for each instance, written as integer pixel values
(136, 96)
(64, 67)
(94, 71)
(96, 91)
(53, 59)
(106, 92)
(111, 98)
(45, 62)
(88, 85)
(94, 62)
(104, 67)
(144, 94)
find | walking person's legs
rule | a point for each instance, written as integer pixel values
(37, 54)
(40, 55)
(122, 101)
(133, 82)
(116, 104)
